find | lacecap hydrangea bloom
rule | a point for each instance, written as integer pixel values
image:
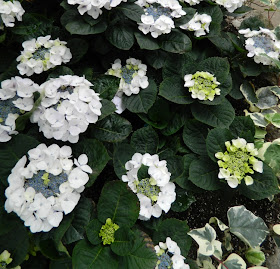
(199, 24)
(158, 16)
(260, 42)
(16, 98)
(41, 54)
(107, 232)
(46, 184)
(9, 10)
(230, 5)
(93, 7)
(202, 85)
(68, 106)
(133, 79)
(154, 191)
(238, 162)
(169, 255)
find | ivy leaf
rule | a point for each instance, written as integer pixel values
(233, 261)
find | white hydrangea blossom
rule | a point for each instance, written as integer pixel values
(192, 2)
(230, 5)
(133, 78)
(46, 184)
(169, 255)
(159, 15)
(41, 54)
(94, 7)
(9, 10)
(68, 106)
(156, 192)
(260, 42)
(16, 97)
(199, 24)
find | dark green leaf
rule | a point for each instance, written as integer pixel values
(175, 166)
(146, 42)
(78, 48)
(131, 10)
(106, 86)
(124, 241)
(93, 230)
(107, 108)
(143, 172)
(243, 127)
(60, 71)
(254, 23)
(183, 200)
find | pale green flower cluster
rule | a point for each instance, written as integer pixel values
(202, 85)
(238, 161)
(5, 259)
(107, 232)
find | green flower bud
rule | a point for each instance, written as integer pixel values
(107, 232)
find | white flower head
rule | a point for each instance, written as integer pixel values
(169, 255)
(230, 5)
(69, 105)
(42, 54)
(261, 42)
(16, 98)
(155, 191)
(199, 24)
(9, 12)
(41, 189)
(158, 16)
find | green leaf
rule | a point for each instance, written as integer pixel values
(107, 108)
(156, 58)
(12, 151)
(86, 256)
(266, 98)
(143, 172)
(223, 43)
(78, 48)
(175, 166)
(122, 154)
(124, 241)
(143, 101)
(249, 93)
(272, 157)
(92, 231)
(175, 42)
(277, 32)
(121, 36)
(250, 68)
(131, 10)
(118, 203)
(186, 18)
(215, 141)
(254, 23)
(255, 256)
(106, 86)
(183, 200)
(177, 230)
(173, 90)
(242, 10)
(249, 228)
(233, 261)
(145, 140)
(60, 71)
(97, 156)
(112, 129)
(220, 115)
(204, 174)
(194, 135)
(146, 42)
(243, 127)
(61, 264)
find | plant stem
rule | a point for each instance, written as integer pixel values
(221, 262)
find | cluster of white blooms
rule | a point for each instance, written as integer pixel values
(69, 105)
(169, 255)
(45, 185)
(202, 85)
(158, 17)
(261, 42)
(199, 24)
(155, 192)
(192, 2)
(230, 5)
(93, 7)
(238, 161)
(16, 97)
(42, 54)
(9, 10)
(133, 78)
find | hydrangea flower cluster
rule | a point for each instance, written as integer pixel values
(199, 24)
(238, 161)
(192, 2)
(158, 17)
(202, 85)
(41, 54)
(261, 42)
(107, 232)
(133, 78)
(230, 5)
(169, 255)
(46, 184)
(93, 8)
(5, 259)
(155, 192)
(16, 97)
(67, 108)
(9, 10)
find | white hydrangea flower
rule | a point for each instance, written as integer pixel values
(192, 2)
(133, 79)
(94, 7)
(159, 15)
(41, 54)
(44, 185)
(156, 192)
(169, 255)
(260, 42)
(199, 24)
(230, 5)
(238, 162)
(16, 97)
(69, 105)
(9, 10)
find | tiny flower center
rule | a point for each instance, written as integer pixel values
(156, 11)
(40, 53)
(7, 107)
(164, 261)
(127, 72)
(146, 188)
(264, 42)
(107, 232)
